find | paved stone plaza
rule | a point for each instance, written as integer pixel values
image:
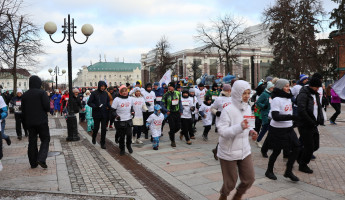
(80, 170)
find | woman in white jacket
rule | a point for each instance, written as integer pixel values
(234, 151)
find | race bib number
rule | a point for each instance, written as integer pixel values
(174, 102)
(18, 103)
(158, 98)
(251, 120)
(185, 103)
(66, 99)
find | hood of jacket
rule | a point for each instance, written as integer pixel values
(226, 94)
(135, 90)
(280, 93)
(35, 82)
(101, 83)
(236, 94)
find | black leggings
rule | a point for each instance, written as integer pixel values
(206, 130)
(337, 108)
(137, 131)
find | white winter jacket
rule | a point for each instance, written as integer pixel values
(233, 140)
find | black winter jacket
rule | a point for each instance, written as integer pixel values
(98, 98)
(35, 104)
(305, 108)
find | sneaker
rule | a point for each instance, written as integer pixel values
(291, 176)
(130, 150)
(173, 144)
(111, 126)
(42, 164)
(138, 141)
(8, 141)
(258, 144)
(116, 140)
(270, 175)
(204, 138)
(214, 151)
(133, 140)
(1, 167)
(305, 169)
(193, 137)
(155, 148)
(19, 137)
(103, 146)
(93, 140)
(332, 122)
(122, 152)
(264, 154)
(189, 142)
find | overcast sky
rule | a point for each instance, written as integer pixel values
(127, 28)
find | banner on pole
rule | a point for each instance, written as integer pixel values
(339, 87)
(166, 78)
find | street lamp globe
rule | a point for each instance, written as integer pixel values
(87, 30)
(50, 70)
(200, 66)
(175, 78)
(189, 66)
(50, 27)
(198, 81)
(63, 71)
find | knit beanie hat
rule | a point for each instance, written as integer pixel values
(302, 77)
(315, 82)
(281, 83)
(226, 87)
(317, 75)
(121, 87)
(269, 78)
(19, 90)
(269, 85)
(156, 83)
(201, 85)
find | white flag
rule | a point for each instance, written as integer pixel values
(166, 78)
(339, 87)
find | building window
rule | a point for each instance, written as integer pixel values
(20, 84)
(109, 83)
(85, 84)
(109, 76)
(95, 83)
(115, 83)
(213, 67)
(137, 76)
(8, 83)
(95, 76)
(120, 77)
(180, 68)
(24, 84)
(105, 76)
(91, 84)
(120, 84)
(100, 76)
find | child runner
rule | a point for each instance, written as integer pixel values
(139, 107)
(206, 114)
(154, 122)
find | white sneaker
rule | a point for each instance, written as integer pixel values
(133, 140)
(1, 167)
(139, 141)
(258, 144)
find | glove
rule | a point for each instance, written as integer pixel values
(218, 113)
(147, 104)
(118, 118)
(192, 109)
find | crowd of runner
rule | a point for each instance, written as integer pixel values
(277, 107)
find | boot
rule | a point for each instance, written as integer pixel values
(237, 196)
(222, 197)
(122, 152)
(289, 174)
(189, 142)
(103, 146)
(173, 144)
(269, 172)
(8, 141)
(304, 168)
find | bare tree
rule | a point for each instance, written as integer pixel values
(224, 34)
(20, 45)
(7, 7)
(162, 58)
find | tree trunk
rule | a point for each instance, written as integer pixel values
(228, 65)
(14, 69)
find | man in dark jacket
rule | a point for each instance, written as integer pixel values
(35, 105)
(113, 95)
(99, 102)
(310, 116)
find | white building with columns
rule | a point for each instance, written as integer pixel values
(114, 73)
(6, 79)
(252, 64)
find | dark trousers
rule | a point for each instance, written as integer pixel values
(291, 159)
(263, 131)
(258, 123)
(124, 133)
(82, 117)
(34, 155)
(337, 108)
(310, 139)
(111, 119)
(146, 115)
(103, 122)
(137, 131)
(174, 120)
(206, 130)
(187, 128)
(19, 122)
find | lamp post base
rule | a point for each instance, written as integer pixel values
(72, 129)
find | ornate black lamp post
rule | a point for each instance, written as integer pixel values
(68, 30)
(56, 73)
